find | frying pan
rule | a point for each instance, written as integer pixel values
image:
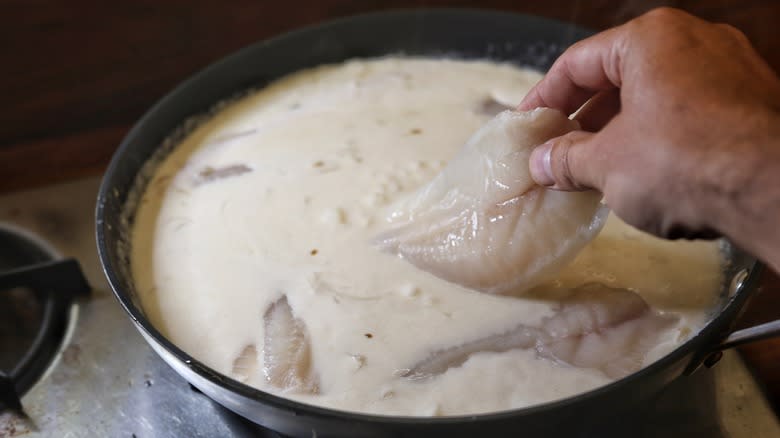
(523, 40)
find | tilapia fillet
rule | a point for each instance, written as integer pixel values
(287, 361)
(483, 223)
(598, 327)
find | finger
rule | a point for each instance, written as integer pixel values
(570, 162)
(599, 110)
(589, 66)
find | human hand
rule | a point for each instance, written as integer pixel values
(680, 133)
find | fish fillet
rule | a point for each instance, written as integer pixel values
(287, 362)
(605, 328)
(245, 365)
(598, 327)
(483, 223)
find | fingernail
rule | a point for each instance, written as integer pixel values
(541, 170)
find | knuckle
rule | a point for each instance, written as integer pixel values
(661, 18)
(734, 32)
(574, 48)
(561, 165)
(663, 14)
(647, 25)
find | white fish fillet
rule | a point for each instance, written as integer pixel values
(598, 327)
(483, 223)
(245, 365)
(287, 362)
(605, 328)
(442, 360)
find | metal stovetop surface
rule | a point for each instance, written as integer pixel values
(106, 381)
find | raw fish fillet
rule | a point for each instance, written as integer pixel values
(483, 223)
(245, 365)
(597, 327)
(442, 360)
(287, 362)
(606, 328)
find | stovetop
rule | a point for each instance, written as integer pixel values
(106, 381)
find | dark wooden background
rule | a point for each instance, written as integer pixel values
(75, 75)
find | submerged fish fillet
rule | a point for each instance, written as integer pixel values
(598, 327)
(245, 364)
(442, 360)
(483, 223)
(287, 362)
(606, 328)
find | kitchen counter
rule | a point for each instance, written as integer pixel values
(78, 74)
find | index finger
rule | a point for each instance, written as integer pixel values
(587, 67)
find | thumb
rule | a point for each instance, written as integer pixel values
(568, 162)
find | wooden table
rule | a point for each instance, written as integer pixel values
(75, 75)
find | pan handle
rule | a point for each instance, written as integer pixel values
(751, 334)
(712, 355)
(736, 338)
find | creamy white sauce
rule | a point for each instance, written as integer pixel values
(315, 160)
